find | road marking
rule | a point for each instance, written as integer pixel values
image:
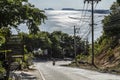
(43, 78)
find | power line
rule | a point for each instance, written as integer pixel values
(88, 22)
(83, 17)
(86, 33)
(87, 10)
(82, 12)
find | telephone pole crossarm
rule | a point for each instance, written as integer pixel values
(91, 1)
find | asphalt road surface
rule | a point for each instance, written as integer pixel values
(57, 72)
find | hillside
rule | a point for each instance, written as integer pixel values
(109, 54)
(107, 47)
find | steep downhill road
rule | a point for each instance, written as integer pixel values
(50, 72)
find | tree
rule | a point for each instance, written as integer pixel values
(118, 1)
(112, 22)
(15, 12)
(63, 44)
(35, 41)
(56, 48)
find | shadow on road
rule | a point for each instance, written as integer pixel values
(37, 60)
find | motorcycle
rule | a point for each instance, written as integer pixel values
(53, 62)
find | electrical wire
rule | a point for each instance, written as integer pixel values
(85, 12)
(83, 15)
(83, 9)
(84, 22)
(90, 15)
(86, 34)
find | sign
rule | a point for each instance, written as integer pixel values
(15, 44)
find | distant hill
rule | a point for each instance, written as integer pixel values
(95, 11)
(101, 11)
(68, 9)
(48, 9)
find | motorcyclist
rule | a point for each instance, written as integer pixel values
(53, 62)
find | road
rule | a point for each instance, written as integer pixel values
(57, 72)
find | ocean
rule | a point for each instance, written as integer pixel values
(65, 20)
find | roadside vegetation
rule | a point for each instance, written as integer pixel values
(107, 47)
(109, 42)
(50, 45)
(12, 14)
(56, 44)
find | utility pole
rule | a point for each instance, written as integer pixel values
(75, 31)
(92, 21)
(92, 25)
(75, 44)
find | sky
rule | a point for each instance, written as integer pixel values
(77, 4)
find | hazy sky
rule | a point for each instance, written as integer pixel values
(77, 4)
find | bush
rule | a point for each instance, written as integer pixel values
(28, 59)
(82, 58)
(2, 71)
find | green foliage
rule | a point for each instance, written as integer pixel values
(57, 43)
(40, 40)
(28, 58)
(82, 57)
(25, 50)
(118, 1)
(2, 70)
(15, 12)
(111, 28)
(5, 32)
(24, 65)
(102, 44)
(112, 22)
(18, 60)
(2, 40)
